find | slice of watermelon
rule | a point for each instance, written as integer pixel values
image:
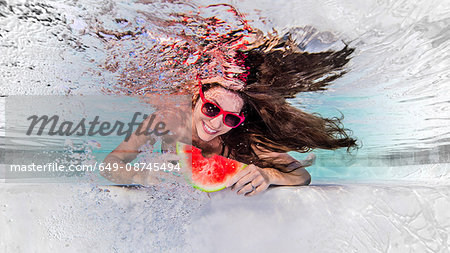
(207, 174)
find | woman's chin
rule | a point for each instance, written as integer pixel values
(205, 136)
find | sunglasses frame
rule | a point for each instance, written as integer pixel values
(222, 111)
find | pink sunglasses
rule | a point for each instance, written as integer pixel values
(213, 110)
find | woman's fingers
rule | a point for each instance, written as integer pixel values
(240, 174)
(258, 181)
(247, 188)
(256, 186)
(249, 181)
(262, 187)
(243, 181)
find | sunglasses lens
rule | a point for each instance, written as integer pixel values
(232, 120)
(210, 110)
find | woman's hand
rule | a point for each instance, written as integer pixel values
(251, 180)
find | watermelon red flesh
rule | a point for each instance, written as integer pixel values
(207, 174)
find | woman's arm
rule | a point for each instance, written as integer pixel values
(127, 151)
(292, 172)
(288, 171)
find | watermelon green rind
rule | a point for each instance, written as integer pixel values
(183, 161)
(186, 163)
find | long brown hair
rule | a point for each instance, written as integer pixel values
(277, 72)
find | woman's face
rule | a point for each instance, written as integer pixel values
(208, 128)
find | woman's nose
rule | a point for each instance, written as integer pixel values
(216, 122)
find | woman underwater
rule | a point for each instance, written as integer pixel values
(244, 115)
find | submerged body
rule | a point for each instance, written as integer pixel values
(207, 135)
(242, 113)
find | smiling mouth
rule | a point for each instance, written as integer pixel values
(208, 130)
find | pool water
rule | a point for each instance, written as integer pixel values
(391, 195)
